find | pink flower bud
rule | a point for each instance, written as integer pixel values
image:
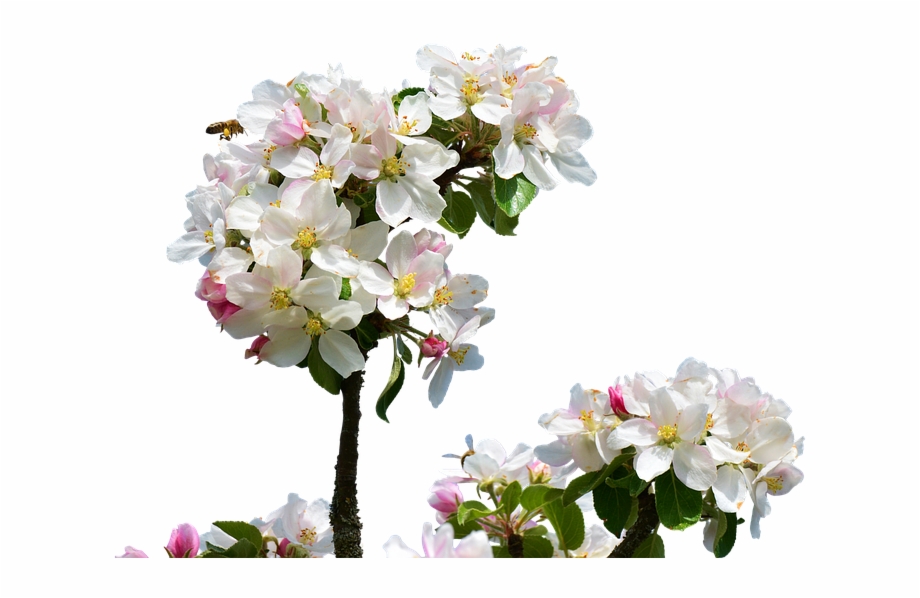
(445, 497)
(432, 347)
(256, 347)
(432, 241)
(223, 310)
(132, 553)
(208, 290)
(616, 399)
(282, 547)
(183, 542)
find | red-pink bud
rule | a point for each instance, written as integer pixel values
(256, 347)
(223, 310)
(183, 542)
(282, 547)
(433, 347)
(616, 399)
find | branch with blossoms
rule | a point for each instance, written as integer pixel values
(302, 231)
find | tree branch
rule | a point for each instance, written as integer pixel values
(645, 526)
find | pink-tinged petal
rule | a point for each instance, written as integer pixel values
(285, 267)
(474, 546)
(294, 193)
(132, 553)
(694, 466)
(230, 261)
(692, 421)
(730, 420)
(375, 279)
(788, 475)
(245, 323)
(337, 146)
(653, 461)
(744, 392)
(638, 432)
(248, 290)
(427, 266)
(585, 454)
(556, 453)
(287, 347)
(561, 423)
(437, 388)
(254, 116)
(770, 438)
(294, 162)
(535, 169)
(729, 489)
(367, 159)
(341, 352)
(393, 202)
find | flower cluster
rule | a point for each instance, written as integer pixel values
(692, 447)
(297, 529)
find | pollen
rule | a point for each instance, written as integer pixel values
(774, 484)
(209, 236)
(322, 172)
(393, 167)
(459, 355)
(667, 433)
(709, 421)
(468, 56)
(267, 153)
(470, 90)
(314, 327)
(524, 132)
(281, 298)
(308, 536)
(405, 285)
(443, 296)
(743, 447)
(586, 415)
(306, 238)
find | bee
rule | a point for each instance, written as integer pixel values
(227, 129)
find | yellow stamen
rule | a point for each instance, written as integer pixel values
(281, 298)
(393, 167)
(709, 421)
(322, 172)
(443, 296)
(524, 132)
(306, 238)
(405, 285)
(667, 433)
(405, 127)
(458, 355)
(314, 327)
(774, 484)
(209, 236)
(308, 536)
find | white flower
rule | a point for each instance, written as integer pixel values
(489, 464)
(441, 545)
(458, 356)
(598, 544)
(306, 524)
(582, 428)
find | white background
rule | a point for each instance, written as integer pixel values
(756, 207)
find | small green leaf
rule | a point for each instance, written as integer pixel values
(511, 497)
(678, 507)
(211, 554)
(537, 495)
(536, 547)
(470, 510)
(409, 91)
(367, 334)
(504, 224)
(512, 195)
(404, 351)
(394, 385)
(633, 513)
(613, 506)
(651, 548)
(323, 374)
(537, 530)
(569, 523)
(721, 523)
(481, 195)
(725, 543)
(243, 549)
(462, 531)
(212, 547)
(240, 530)
(345, 293)
(459, 214)
(579, 487)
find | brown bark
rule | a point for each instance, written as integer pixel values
(346, 525)
(645, 526)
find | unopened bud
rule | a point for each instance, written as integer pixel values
(183, 542)
(433, 347)
(256, 348)
(616, 399)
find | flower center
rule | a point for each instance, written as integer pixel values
(405, 285)
(209, 237)
(742, 447)
(468, 56)
(709, 421)
(267, 153)
(281, 298)
(314, 326)
(308, 536)
(524, 132)
(470, 90)
(443, 296)
(458, 355)
(667, 433)
(774, 484)
(587, 418)
(393, 167)
(306, 238)
(322, 172)
(406, 127)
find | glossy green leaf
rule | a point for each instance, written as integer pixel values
(678, 507)
(323, 374)
(613, 506)
(504, 224)
(511, 497)
(536, 547)
(481, 195)
(459, 214)
(513, 195)
(470, 510)
(579, 486)
(404, 351)
(243, 549)
(569, 523)
(393, 386)
(241, 530)
(725, 543)
(651, 548)
(462, 530)
(537, 495)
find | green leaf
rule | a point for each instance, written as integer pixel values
(462, 531)
(537, 495)
(323, 374)
(504, 224)
(678, 507)
(511, 497)
(481, 195)
(367, 334)
(725, 543)
(579, 487)
(500, 552)
(637, 485)
(211, 554)
(614, 506)
(651, 548)
(240, 530)
(212, 547)
(569, 523)
(536, 547)
(394, 385)
(537, 530)
(470, 510)
(345, 293)
(404, 351)
(369, 213)
(459, 214)
(512, 195)
(633, 513)
(243, 549)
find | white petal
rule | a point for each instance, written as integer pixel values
(653, 461)
(637, 431)
(729, 489)
(341, 352)
(555, 453)
(694, 466)
(288, 346)
(437, 389)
